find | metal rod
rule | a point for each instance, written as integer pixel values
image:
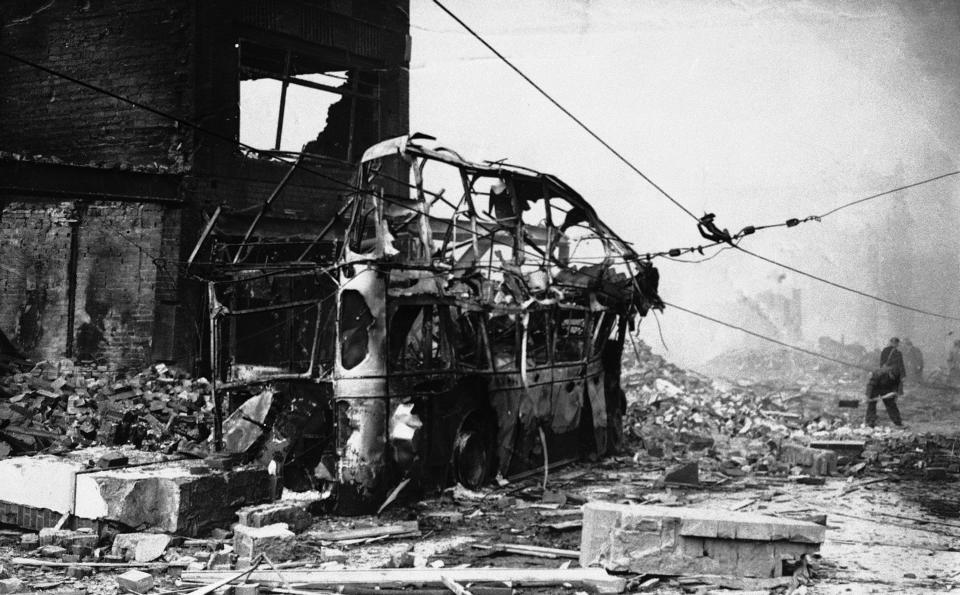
(266, 205)
(203, 236)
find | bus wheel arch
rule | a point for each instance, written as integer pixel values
(473, 459)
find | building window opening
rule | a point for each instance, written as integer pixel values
(292, 102)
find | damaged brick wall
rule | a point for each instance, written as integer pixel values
(70, 262)
(126, 46)
(116, 282)
(109, 301)
(34, 260)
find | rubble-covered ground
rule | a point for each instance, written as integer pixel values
(892, 510)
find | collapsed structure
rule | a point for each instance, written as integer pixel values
(472, 324)
(463, 324)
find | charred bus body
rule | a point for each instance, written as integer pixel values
(472, 326)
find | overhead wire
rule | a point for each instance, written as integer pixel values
(280, 156)
(745, 231)
(673, 253)
(846, 288)
(886, 192)
(767, 338)
(559, 106)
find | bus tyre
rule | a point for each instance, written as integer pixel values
(472, 459)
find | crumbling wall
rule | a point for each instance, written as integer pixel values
(34, 259)
(136, 48)
(79, 279)
(116, 282)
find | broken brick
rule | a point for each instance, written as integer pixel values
(140, 547)
(277, 541)
(135, 581)
(293, 514)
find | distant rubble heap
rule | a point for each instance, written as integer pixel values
(59, 406)
(748, 425)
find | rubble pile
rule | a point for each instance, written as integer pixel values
(792, 366)
(664, 400)
(57, 406)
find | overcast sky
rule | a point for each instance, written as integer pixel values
(756, 111)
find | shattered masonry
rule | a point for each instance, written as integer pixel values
(101, 201)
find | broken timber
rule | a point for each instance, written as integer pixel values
(396, 577)
(404, 529)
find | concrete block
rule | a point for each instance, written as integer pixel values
(723, 553)
(42, 481)
(135, 581)
(276, 541)
(29, 541)
(167, 497)
(661, 540)
(814, 461)
(78, 539)
(247, 589)
(757, 559)
(52, 551)
(11, 585)
(46, 481)
(221, 559)
(79, 572)
(140, 547)
(51, 536)
(293, 514)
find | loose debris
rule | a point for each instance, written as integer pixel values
(688, 434)
(59, 406)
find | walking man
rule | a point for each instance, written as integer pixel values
(883, 385)
(893, 359)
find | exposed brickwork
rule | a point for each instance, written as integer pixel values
(136, 49)
(28, 517)
(117, 281)
(62, 257)
(34, 257)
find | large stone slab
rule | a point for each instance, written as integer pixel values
(169, 497)
(42, 481)
(662, 540)
(36, 491)
(151, 493)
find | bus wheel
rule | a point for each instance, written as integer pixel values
(472, 459)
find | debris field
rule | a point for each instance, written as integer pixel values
(722, 486)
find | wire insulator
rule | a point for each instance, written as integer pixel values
(748, 230)
(675, 252)
(793, 222)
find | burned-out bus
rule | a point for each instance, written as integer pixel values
(470, 325)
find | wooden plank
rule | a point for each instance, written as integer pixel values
(56, 564)
(454, 586)
(365, 533)
(533, 550)
(305, 579)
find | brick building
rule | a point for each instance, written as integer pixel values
(102, 201)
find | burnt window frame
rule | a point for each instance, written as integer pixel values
(562, 314)
(435, 321)
(288, 74)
